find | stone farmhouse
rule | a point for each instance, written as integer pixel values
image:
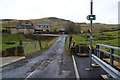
(27, 27)
(44, 27)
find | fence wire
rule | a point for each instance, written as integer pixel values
(31, 46)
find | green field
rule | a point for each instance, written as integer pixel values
(11, 38)
(107, 38)
(29, 45)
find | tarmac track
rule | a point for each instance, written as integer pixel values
(53, 63)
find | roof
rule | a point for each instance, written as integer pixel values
(62, 29)
(42, 24)
(24, 27)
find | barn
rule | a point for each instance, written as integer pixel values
(44, 27)
(24, 29)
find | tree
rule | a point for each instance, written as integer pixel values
(72, 28)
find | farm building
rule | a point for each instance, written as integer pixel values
(44, 27)
(62, 30)
(25, 29)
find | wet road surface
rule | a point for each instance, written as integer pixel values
(53, 63)
(94, 74)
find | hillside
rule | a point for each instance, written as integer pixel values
(7, 19)
(50, 20)
(58, 23)
(9, 23)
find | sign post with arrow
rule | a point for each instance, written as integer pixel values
(91, 17)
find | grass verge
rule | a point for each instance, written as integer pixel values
(107, 38)
(45, 46)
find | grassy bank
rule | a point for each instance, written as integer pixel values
(29, 45)
(13, 38)
(35, 51)
(107, 38)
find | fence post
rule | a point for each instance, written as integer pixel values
(15, 51)
(35, 45)
(40, 44)
(97, 49)
(111, 57)
(70, 41)
(20, 51)
(66, 40)
(20, 42)
(4, 53)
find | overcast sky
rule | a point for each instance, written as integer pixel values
(106, 11)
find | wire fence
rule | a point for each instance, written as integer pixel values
(31, 46)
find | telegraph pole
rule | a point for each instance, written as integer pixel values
(90, 17)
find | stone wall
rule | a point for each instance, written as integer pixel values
(42, 38)
(14, 51)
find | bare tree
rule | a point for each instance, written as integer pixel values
(72, 28)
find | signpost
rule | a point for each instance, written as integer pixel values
(91, 17)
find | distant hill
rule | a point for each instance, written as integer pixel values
(51, 19)
(58, 23)
(7, 19)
